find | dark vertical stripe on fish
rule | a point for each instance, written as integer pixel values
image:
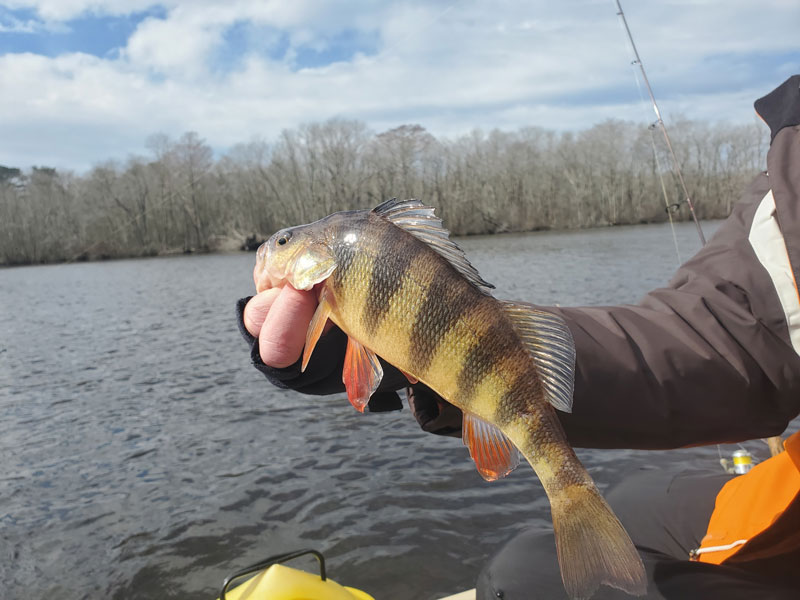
(395, 251)
(517, 398)
(485, 353)
(345, 253)
(445, 302)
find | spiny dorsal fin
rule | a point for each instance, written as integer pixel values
(421, 222)
(550, 343)
(494, 454)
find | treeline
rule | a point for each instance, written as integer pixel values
(181, 199)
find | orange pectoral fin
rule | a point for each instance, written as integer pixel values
(362, 374)
(315, 328)
(493, 453)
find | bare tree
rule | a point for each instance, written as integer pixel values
(180, 198)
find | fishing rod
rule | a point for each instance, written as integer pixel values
(660, 123)
(742, 460)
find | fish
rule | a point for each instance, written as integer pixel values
(393, 280)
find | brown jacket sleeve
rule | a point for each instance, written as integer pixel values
(707, 359)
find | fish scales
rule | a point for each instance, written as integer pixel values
(401, 290)
(392, 308)
(390, 266)
(391, 297)
(444, 304)
(385, 283)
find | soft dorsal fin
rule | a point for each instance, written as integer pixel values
(421, 222)
(550, 343)
(493, 453)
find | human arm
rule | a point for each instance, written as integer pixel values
(714, 356)
(707, 359)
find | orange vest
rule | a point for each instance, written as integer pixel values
(751, 518)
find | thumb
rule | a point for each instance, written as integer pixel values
(283, 333)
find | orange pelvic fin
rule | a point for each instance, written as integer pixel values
(493, 453)
(362, 374)
(315, 328)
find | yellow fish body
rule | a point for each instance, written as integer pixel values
(395, 283)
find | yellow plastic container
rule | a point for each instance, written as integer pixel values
(279, 582)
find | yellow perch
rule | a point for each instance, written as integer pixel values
(395, 283)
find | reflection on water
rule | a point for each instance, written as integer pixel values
(143, 457)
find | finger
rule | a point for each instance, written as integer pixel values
(283, 333)
(433, 413)
(423, 404)
(384, 402)
(256, 310)
(448, 422)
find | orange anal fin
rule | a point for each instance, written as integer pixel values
(362, 374)
(411, 379)
(493, 453)
(315, 329)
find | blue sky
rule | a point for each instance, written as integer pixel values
(85, 81)
(22, 30)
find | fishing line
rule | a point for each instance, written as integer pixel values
(659, 169)
(417, 30)
(660, 123)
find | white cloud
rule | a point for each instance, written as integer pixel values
(64, 10)
(18, 26)
(175, 44)
(448, 66)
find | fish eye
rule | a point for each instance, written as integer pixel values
(283, 239)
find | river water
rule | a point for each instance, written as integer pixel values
(142, 457)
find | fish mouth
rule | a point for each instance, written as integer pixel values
(264, 277)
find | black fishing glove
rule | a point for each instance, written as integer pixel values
(323, 374)
(433, 413)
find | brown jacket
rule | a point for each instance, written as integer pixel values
(710, 357)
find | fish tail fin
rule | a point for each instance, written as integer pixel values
(592, 545)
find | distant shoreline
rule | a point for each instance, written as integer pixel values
(184, 199)
(229, 250)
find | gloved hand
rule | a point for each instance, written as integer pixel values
(274, 323)
(433, 413)
(277, 319)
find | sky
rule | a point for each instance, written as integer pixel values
(85, 81)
